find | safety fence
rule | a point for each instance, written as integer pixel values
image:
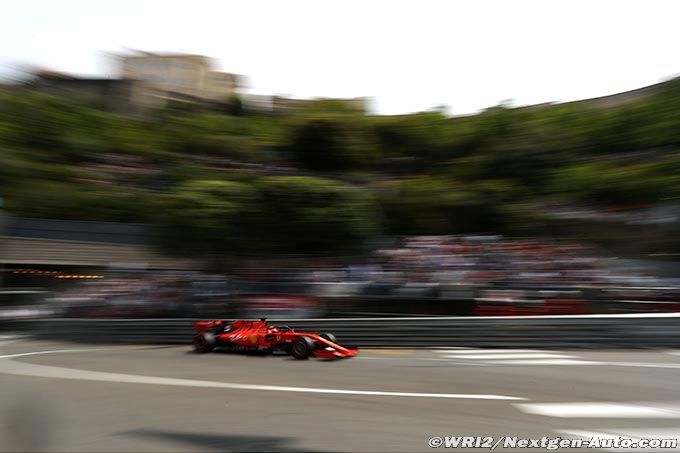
(582, 331)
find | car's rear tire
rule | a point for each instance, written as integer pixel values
(204, 342)
(301, 348)
(330, 337)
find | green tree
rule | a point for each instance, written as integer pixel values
(609, 183)
(207, 218)
(307, 214)
(327, 144)
(426, 205)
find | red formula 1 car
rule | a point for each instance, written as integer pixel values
(260, 336)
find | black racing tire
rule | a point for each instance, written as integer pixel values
(301, 348)
(330, 337)
(204, 342)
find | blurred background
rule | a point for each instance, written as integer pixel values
(161, 185)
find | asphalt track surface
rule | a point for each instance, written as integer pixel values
(76, 397)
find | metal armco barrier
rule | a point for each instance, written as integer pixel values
(583, 331)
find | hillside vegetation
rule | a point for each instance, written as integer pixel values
(328, 178)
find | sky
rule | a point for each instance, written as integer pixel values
(407, 55)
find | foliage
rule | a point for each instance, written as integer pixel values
(281, 214)
(206, 216)
(307, 214)
(328, 177)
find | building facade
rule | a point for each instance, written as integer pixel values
(188, 76)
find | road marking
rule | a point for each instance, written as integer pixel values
(7, 339)
(532, 360)
(492, 351)
(497, 357)
(601, 410)
(561, 362)
(643, 364)
(29, 369)
(583, 362)
(390, 352)
(56, 351)
(510, 356)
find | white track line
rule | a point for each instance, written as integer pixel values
(7, 339)
(536, 357)
(493, 351)
(55, 351)
(553, 362)
(460, 361)
(29, 369)
(601, 410)
(580, 362)
(643, 364)
(511, 356)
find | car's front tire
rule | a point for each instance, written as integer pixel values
(204, 342)
(301, 348)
